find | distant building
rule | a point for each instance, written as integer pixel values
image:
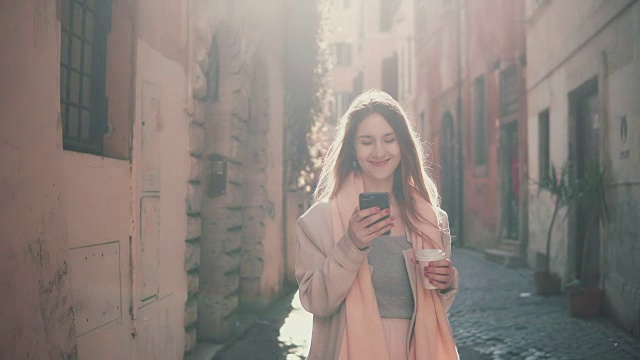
(583, 82)
(470, 108)
(363, 50)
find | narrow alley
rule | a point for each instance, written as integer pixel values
(157, 157)
(494, 316)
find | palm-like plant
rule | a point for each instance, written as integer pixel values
(591, 195)
(563, 191)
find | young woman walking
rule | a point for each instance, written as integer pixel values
(365, 289)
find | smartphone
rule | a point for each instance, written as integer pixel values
(372, 199)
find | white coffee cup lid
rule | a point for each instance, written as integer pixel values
(430, 254)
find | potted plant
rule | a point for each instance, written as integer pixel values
(563, 191)
(585, 299)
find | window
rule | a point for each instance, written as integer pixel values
(388, 10)
(480, 122)
(509, 91)
(543, 145)
(341, 104)
(83, 56)
(390, 75)
(342, 54)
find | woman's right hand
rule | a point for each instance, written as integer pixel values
(361, 231)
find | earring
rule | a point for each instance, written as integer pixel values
(355, 164)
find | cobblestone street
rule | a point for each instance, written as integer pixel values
(495, 316)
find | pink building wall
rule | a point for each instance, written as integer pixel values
(489, 38)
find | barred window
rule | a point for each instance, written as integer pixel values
(342, 54)
(543, 144)
(83, 104)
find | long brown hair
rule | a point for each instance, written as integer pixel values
(410, 175)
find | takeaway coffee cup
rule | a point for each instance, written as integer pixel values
(425, 256)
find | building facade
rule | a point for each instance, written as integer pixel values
(470, 108)
(583, 67)
(364, 54)
(143, 176)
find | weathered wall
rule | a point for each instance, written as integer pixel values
(36, 319)
(91, 238)
(564, 52)
(485, 48)
(242, 243)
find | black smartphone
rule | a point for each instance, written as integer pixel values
(372, 199)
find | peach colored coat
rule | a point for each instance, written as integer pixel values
(325, 271)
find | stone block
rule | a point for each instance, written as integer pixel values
(199, 81)
(191, 255)
(194, 227)
(221, 219)
(191, 312)
(258, 177)
(199, 111)
(251, 294)
(224, 265)
(196, 139)
(196, 171)
(237, 150)
(253, 231)
(219, 322)
(238, 128)
(251, 266)
(201, 55)
(230, 83)
(241, 105)
(258, 196)
(259, 160)
(253, 213)
(190, 339)
(194, 198)
(193, 282)
(235, 173)
(232, 242)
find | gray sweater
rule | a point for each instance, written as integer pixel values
(390, 278)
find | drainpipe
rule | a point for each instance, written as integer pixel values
(460, 157)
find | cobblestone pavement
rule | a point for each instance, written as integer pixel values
(495, 316)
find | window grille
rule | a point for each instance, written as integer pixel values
(543, 144)
(83, 104)
(342, 54)
(509, 90)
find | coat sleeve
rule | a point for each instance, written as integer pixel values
(448, 296)
(324, 275)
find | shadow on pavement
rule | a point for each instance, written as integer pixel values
(282, 331)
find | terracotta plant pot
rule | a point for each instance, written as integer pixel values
(546, 283)
(585, 301)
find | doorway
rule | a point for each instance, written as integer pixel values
(585, 107)
(509, 180)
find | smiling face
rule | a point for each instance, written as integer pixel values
(377, 150)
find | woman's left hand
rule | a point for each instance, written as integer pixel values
(439, 273)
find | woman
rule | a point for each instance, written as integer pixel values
(365, 290)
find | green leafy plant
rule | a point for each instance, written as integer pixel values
(563, 191)
(591, 196)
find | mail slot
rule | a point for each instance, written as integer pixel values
(217, 178)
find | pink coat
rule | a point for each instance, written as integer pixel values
(325, 272)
